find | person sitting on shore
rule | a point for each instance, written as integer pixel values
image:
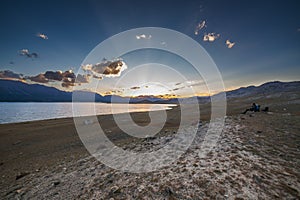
(255, 108)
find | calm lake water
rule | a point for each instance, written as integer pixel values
(22, 112)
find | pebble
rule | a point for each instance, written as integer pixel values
(56, 182)
(21, 175)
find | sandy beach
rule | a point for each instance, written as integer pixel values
(257, 157)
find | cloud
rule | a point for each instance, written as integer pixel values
(143, 36)
(97, 77)
(229, 44)
(106, 68)
(168, 96)
(211, 37)
(7, 74)
(68, 82)
(43, 36)
(186, 84)
(83, 78)
(67, 78)
(56, 76)
(135, 88)
(25, 52)
(192, 83)
(40, 78)
(200, 26)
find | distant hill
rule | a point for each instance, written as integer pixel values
(275, 88)
(16, 91)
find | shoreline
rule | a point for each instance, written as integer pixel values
(165, 107)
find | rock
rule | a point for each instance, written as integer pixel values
(150, 138)
(114, 189)
(257, 179)
(17, 142)
(168, 191)
(88, 121)
(21, 175)
(56, 182)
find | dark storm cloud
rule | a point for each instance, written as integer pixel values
(25, 52)
(106, 68)
(7, 74)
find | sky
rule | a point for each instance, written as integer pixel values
(47, 42)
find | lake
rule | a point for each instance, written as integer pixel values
(22, 112)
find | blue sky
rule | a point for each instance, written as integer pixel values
(266, 33)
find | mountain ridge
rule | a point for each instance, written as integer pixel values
(17, 91)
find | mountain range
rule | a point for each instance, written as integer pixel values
(17, 91)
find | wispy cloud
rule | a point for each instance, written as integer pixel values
(135, 88)
(200, 26)
(229, 44)
(43, 36)
(106, 68)
(25, 52)
(97, 77)
(163, 43)
(187, 84)
(143, 36)
(210, 37)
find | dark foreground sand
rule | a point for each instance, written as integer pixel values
(256, 157)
